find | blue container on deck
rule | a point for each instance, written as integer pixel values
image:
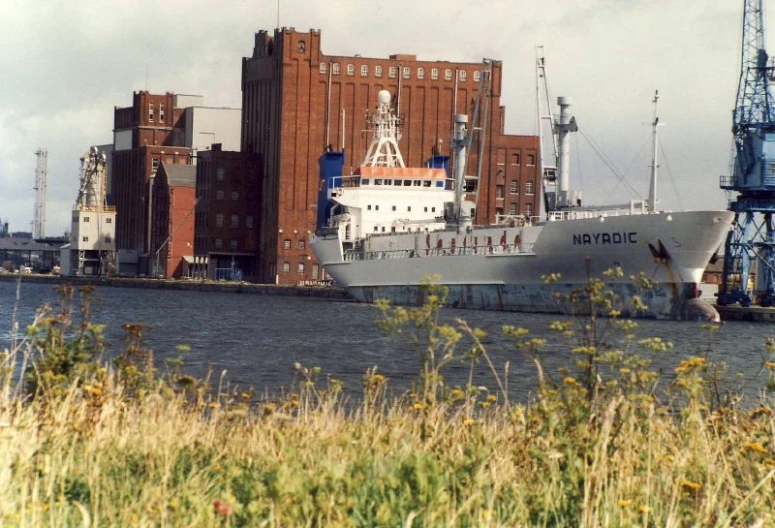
(331, 165)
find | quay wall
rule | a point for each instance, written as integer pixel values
(322, 292)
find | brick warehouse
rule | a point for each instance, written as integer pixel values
(296, 101)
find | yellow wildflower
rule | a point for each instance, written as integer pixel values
(623, 503)
(689, 485)
(754, 446)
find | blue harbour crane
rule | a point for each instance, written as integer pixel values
(752, 239)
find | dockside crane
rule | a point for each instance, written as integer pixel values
(752, 239)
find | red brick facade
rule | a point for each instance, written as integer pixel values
(296, 101)
(156, 133)
(172, 224)
(227, 215)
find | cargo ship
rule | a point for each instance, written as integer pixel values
(385, 230)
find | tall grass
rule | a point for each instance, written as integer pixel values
(89, 442)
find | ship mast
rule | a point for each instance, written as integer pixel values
(386, 132)
(652, 201)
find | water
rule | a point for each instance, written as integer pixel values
(257, 339)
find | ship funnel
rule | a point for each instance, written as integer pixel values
(566, 125)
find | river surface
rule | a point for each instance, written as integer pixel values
(257, 339)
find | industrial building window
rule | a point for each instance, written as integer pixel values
(421, 73)
(150, 111)
(351, 69)
(219, 195)
(287, 243)
(286, 266)
(85, 218)
(463, 75)
(234, 196)
(155, 165)
(477, 76)
(300, 267)
(407, 72)
(447, 75)
(85, 239)
(302, 244)
(513, 209)
(364, 70)
(392, 72)
(323, 67)
(315, 271)
(234, 244)
(335, 68)
(529, 187)
(161, 113)
(435, 74)
(514, 186)
(378, 71)
(529, 209)
(302, 46)
(531, 159)
(499, 191)
(234, 220)
(218, 243)
(515, 159)
(249, 222)
(108, 220)
(219, 174)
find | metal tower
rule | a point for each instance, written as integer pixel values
(41, 173)
(752, 240)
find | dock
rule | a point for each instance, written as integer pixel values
(746, 313)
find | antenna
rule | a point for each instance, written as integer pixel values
(41, 175)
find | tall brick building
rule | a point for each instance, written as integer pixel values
(172, 220)
(296, 101)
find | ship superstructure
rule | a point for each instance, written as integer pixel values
(92, 247)
(386, 253)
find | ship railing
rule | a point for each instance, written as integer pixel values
(513, 220)
(506, 249)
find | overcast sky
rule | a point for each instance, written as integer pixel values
(67, 63)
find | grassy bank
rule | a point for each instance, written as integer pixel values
(90, 442)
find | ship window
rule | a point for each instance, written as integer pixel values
(393, 229)
(513, 209)
(85, 218)
(368, 207)
(477, 76)
(439, 184)
(376, 229)
(433, 209)
(529, 187)
(417, 183)
(323, 67)
(425, 209)
(421, 73)
(108, 220)
(388, 182)
(407, 183)
(463, 75)
(378, 71)
(351, 69)
(335, 68)
(108, 239)
(426, 183)
(435, 74)
(394, 208)
(407, 72)
(364, 181)
(286, 266)
(514, 187)
(287, 243)
(409, 208)
(376, 207)
(378, 181)
(85, 239)
(383, 229)
(392, 72)
(447, 75)
(397, 182)
(300, 267)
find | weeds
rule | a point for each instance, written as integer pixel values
(122, 442)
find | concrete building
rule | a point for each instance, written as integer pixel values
(157, 129)
(227, 214)
(297, 101)
(172, 220)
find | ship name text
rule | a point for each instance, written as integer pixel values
(605, 238)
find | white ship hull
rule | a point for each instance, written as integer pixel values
(504, 268)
